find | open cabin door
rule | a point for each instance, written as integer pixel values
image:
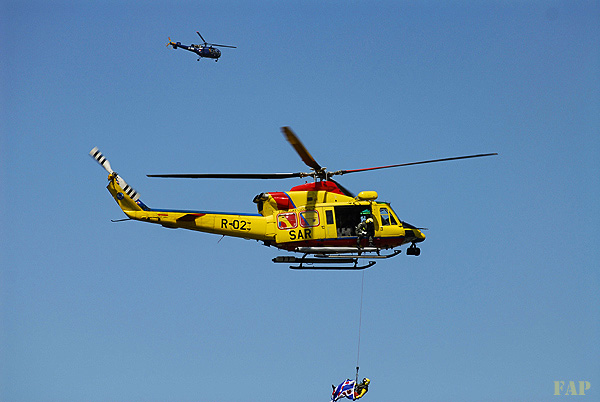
(347, 218)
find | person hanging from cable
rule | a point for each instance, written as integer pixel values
(361, 389)
(350, 389)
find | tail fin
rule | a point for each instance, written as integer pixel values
(127, 198)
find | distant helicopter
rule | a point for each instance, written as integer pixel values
(206, 50)
(320, 219)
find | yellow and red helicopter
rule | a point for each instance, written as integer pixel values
(206, 50)
(321, 220)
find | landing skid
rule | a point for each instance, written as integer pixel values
(322, 260)
(328, 259)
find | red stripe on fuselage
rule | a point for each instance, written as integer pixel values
(319, 186)
(380, 242)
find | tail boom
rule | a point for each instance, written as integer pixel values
(248, 226)
(244, 226)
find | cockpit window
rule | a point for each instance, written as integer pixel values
(387, 218)
(393, 220)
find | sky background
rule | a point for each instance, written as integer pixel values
(502, 302)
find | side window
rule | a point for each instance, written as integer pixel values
(385, 216)
(309, 219)
(287, 221)
(329, 217)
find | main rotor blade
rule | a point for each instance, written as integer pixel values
(300, 149)
(201, 37)
(231, 175)
(341, 172)
(214, 44)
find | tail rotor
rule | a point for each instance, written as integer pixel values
(173, 44)
(101, 159)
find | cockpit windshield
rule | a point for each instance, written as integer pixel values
(387, 216)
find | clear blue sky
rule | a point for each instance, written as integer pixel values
(502, 302)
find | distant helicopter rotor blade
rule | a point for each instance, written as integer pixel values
(215, 44)
(231, 175)
(300, 149)
(201, 37)
(342, 172)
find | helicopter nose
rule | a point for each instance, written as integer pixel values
(412, 234)
(419, 235)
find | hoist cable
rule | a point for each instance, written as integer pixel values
(362, 287)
